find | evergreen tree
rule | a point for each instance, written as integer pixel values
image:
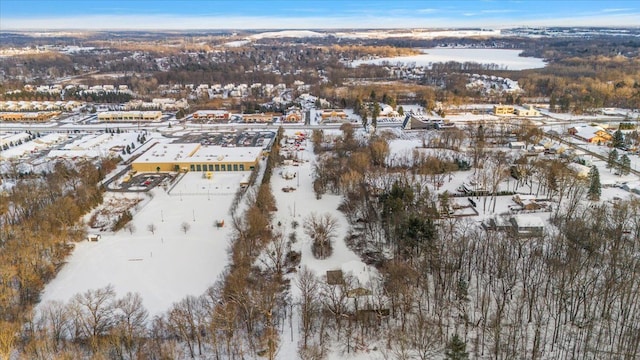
(612, 159)
(625, 165)
(363, 115)
(456, 349)
(357, 106)
(374, 114)
(594, 188)
(618, 139)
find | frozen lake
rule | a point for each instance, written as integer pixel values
(505, 59)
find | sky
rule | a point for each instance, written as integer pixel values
(311, 14)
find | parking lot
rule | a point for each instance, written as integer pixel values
(230, 139)
(145, 181)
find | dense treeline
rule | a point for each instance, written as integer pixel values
(39, 218)
(570, 293)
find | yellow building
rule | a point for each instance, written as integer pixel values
(591, 134)
(197, 157)
(292, 117)
(333, 115)
(130, 116)
(503, 109)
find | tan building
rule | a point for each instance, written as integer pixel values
(197, 157)
(292, 117)
(503, 110)
(215, 115)
(260, 118)
(333, 115)
(130, 116)
(28, 116)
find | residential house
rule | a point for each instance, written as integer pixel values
(591, 134)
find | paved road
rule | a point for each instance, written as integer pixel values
(156, 126)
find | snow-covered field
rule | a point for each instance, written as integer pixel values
(164, 266)
(287, 34)
(507, 59)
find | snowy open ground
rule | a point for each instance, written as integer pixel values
(166, 266)
(507, 59)
(301, 203)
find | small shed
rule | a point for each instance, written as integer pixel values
(517, 145)
(93, 237)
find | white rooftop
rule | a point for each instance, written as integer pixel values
(196, 152)
(529, 221)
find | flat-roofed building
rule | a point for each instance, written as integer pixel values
(503, 109)
(130, 116)
(215, 115)
(527, 111)
(28, 116)
(333, 115)
(197, 157)
(260, 118)
(416, 121)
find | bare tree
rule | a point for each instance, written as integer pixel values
(152, 228)
(131, 323)
(322, 229)
(185, 227)
(276, 252)
(130, 227)
(53, 320)
(309, 305)
(8, 339)
(183, 321)
(93, 313)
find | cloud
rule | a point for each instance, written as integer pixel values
(617, 10)
(427, 11)
(497, 11)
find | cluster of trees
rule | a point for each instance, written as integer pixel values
(563, 294)
(19, 141)
(39, 225)
(582, 84)
(622, 164)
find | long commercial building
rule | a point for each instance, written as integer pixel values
(28, 116)
(197, 157)
(130, 116)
